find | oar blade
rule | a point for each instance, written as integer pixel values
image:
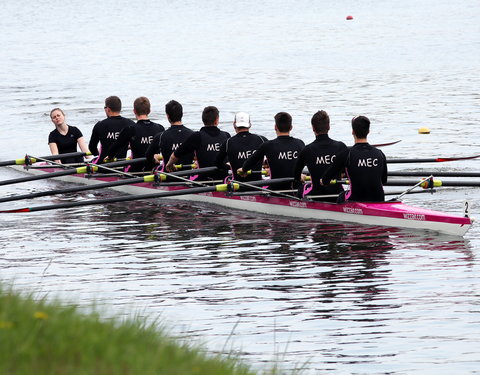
(431, 160)
(386, 144)
(24, 209)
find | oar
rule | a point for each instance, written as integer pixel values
(386, 144)
(161, 194)
(434, 173)
(129, 181)
(434, 183)
(429, 181)
(267, 182)
(80, 170)
(431, 160)
(425, 183)
(33, 159)
(429, 191)
(386, 193)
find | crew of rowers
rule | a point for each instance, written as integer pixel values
(245, 154)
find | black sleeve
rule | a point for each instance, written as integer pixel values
(254, 158)
(51, 138)
(94, 139)
(301, 162)
(188, 146)
(121, 142)
(385, 169)
(220, 161)
(76, 132)
(153, 148)
(337, 166)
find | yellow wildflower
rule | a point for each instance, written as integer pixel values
(40, 315)
(5, 325)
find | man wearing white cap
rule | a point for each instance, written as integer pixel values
(238, 148)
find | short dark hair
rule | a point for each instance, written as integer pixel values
(114, 103)
(321, 122)
(141, 105)
(209, 115)
(174, 110)
(361, 126)
(283, 121)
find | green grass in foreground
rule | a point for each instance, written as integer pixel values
(37, 337)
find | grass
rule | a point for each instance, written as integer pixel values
(40, 337)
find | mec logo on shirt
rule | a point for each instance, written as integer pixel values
(146, 140)
(325, 159)
(368, 162)
(288, 155)
(112, 135)
(213, 147)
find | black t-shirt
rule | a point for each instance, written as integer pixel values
(139, 136)
(281, 154)
(206, 144)
(106, 132)
(366, 168)
(318, 156)
(67, 143)
(167, 142)
(236, 150)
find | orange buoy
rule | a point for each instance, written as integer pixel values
(349, 18)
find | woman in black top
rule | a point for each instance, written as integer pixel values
(64, 138)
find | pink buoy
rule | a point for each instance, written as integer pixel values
(349, 18)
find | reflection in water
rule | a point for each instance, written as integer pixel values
(344, 298)
(318, 289)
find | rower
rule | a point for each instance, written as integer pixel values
(365, 166)
(64, 138)
(239, 147)
(281, 153)
(205, 143)
(318, 156)
(108, 130)
(139, 135)
(165, 143)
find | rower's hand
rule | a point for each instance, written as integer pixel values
(303, 177)
(157, 158)
(170, 167)
(241, 172)
(321, 182)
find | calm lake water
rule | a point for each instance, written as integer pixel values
(333, 298)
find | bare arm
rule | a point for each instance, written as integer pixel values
(54, 151)
(170, 166)
(83, 146)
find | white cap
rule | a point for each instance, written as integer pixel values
(242, 119)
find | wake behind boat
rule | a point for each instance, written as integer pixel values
(390, 213)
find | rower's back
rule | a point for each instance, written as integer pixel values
(366, 168)
(107, 131)
(281, 153)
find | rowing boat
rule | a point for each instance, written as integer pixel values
(389, 213)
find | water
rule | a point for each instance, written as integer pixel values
(336, 298)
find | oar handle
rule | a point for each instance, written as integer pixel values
(28, 159)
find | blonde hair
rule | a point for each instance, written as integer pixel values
(56, 109)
